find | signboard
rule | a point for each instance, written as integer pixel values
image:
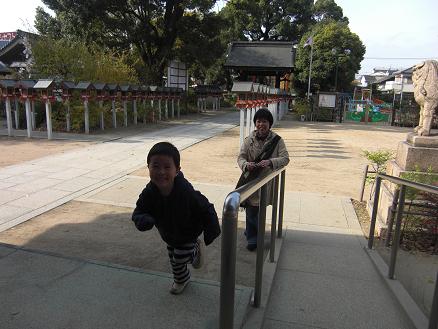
(177, 75)
(7, 36)
(327, 100)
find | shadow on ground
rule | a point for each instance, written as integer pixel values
(106, 233)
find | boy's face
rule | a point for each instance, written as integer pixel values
(162, 171)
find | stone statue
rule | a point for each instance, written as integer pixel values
(425, 79)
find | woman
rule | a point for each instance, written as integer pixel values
(256, 143)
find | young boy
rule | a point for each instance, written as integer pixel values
(179, 212)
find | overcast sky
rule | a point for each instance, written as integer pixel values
(396, 33)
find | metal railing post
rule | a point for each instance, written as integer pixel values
(274, 220)
(390, 221)
(374, 213)
(228, 264)
(281, 206)
(433, 319)
(260, 246)
(362, 188)
(397, 231)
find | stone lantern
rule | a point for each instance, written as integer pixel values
(244, 91)
(160, 96)
(165, 94)
(144, 95)
(26, 95)
(125, 90)
(179, 93)
(102, 91)
(8, 92)
(45, 91)
(67, 88)
(201, 94)
(135, 94)
(153, 95)
(114, 90)
(86, 88)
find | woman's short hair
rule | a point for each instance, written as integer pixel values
(264, 113)
(165, 148)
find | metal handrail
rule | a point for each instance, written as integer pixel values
(229, 239)
(433, 318)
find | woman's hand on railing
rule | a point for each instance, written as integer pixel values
(264, 164)
(250, 166)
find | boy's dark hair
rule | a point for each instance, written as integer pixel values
(165, 148)
(264, 113)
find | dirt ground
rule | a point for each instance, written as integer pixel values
(325, 159)
(15, 150)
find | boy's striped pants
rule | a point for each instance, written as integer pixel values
(179, 257)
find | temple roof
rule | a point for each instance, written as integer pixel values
(261, 56)
(15, 52)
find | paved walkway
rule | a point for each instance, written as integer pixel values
(31, 188)
(324, 278)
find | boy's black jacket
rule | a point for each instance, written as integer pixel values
(179, 217)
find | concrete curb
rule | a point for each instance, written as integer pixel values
(413, 312)
(415, 315)
(255, 316)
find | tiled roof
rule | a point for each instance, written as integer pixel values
(4, 69)
(3, 43)
(261, 55)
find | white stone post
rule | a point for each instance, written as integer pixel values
(253, 111)
(178, 109)
(28, 118)
(166, 110)
(102, 117)
(33, 114)
(86, 116)
(17, 113)
(134, 105)
(49, 119)
(153, 110)
(9, 116)
(242, 126)
(144, 110)
(159, 109)
(113, 109)
(274, 115)
(173, 108)
(125, 112)
(248, 122)
(68, 116)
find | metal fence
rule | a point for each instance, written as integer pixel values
(229, 239)
(403, 183)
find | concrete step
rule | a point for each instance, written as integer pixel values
(45, 290)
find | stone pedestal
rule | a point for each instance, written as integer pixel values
(418, 154)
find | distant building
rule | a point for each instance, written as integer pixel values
(16, 51)
(399, 81)
(366, 80)
(255, 60)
